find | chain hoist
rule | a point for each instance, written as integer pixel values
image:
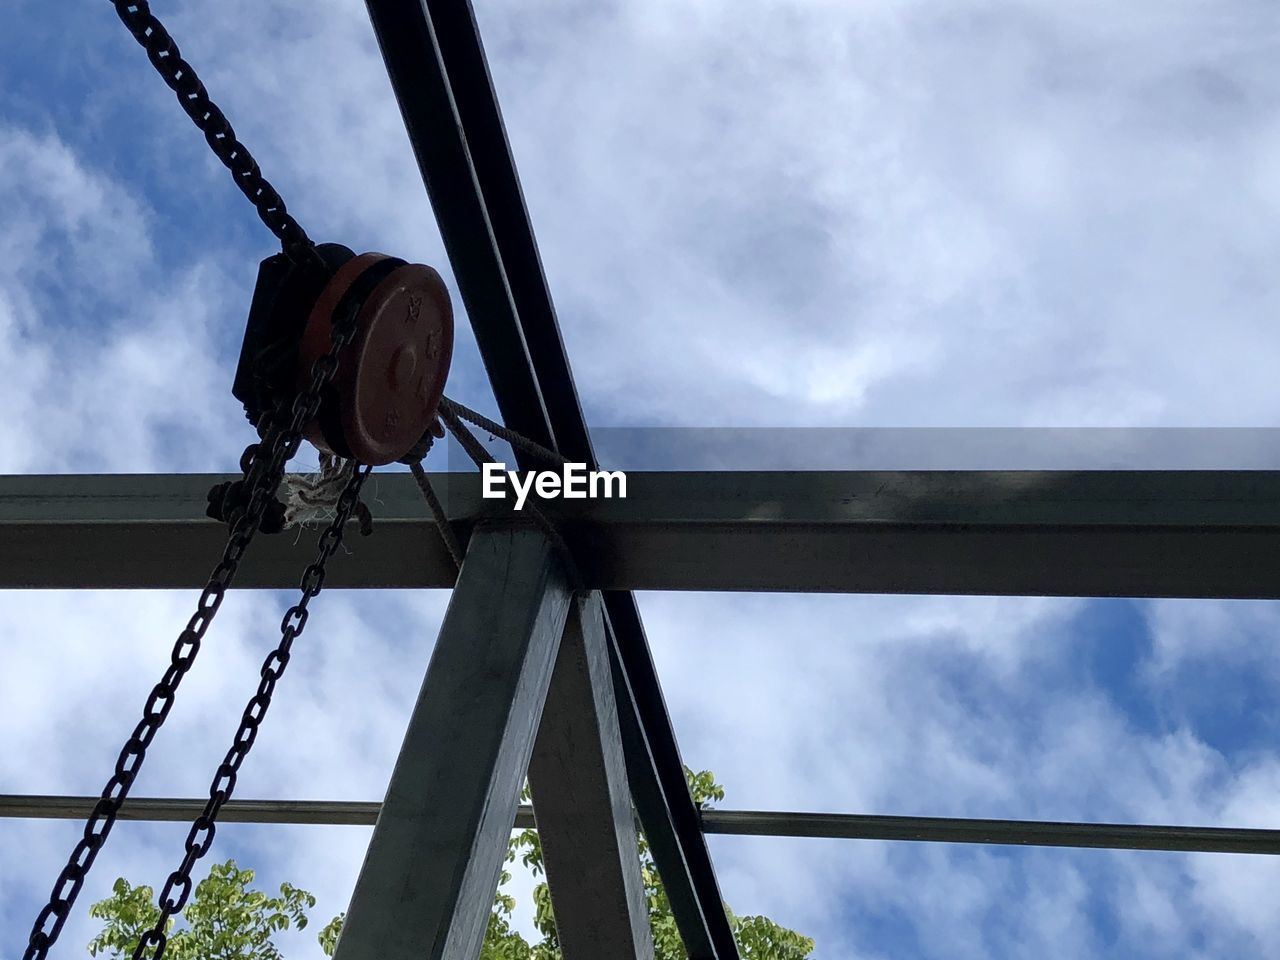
(349, 352)
(178, 886)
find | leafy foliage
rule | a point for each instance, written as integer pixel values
(227, 920)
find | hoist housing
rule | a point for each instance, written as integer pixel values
(383, 397)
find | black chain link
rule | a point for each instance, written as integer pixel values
(263, 466)
(177, 888)
(182, 80)
(264, 473)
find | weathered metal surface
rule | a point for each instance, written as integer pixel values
(586, 825)
(427, 884)
(740, 823)
(389, 380)
(1139, 534)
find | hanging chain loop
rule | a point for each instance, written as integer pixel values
(263, 466)
(177, 889)
(264, 463)
(204, 113)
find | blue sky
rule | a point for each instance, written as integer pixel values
(1012, 213)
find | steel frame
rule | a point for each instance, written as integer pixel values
(1199, 532)
(440, 76)
(426, 888)
(532, 674)
(734, 823)
(1129, 534)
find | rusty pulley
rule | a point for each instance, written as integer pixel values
(383, 397)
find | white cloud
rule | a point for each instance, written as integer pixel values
(107, 358)
(1184, 632)
(881, 213)
(916, 706)
(888, 213)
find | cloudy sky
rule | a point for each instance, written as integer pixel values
(871, 213)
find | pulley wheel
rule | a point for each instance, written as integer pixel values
(390, 377)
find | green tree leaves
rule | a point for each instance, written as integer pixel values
(227, 919)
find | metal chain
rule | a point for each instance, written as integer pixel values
(194, 100)
(265, 470)
(263, 467)
(177, 888)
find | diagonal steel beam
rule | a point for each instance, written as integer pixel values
(586, 825)
(448, 158)
(462, 52)
(437, 65)
(426, 888)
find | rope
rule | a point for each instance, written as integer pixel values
(516, 440)
(437, 511)
(313, 497)
(476, 451)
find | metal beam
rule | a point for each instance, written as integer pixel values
(426, 887)
(663, 802)
(740, 823)
(1026, 833)
(586, 825)
(351, 813)
(438, 70)
(1130, 534)
(411, 50)
(480, 116)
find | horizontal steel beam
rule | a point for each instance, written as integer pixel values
(741, 823)
(346, 813)
(1134, 534)
(1027, 833)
